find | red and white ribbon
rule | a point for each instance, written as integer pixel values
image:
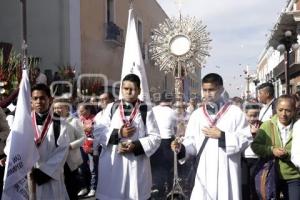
(218, 115)
(39, 137)
(132, 115)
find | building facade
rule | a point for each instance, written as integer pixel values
(272, 62)
(87, 35)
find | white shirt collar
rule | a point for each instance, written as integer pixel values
(284, 132)
(282, 127)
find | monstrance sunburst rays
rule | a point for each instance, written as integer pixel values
(182, 40)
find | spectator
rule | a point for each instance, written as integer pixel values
(39, 76)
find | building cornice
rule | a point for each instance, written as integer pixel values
(285, 21)
(296, 15)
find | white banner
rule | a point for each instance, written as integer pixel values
(20, 148)
(133, 61)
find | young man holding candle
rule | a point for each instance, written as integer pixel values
(132, 137)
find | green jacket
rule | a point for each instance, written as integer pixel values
(262, 146)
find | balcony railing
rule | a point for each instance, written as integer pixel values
(114, 34)
(279, 69)
(294, 61)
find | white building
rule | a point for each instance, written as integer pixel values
(271, 64)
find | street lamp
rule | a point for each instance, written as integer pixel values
(248, 78)
(287, 43)
(256, 81)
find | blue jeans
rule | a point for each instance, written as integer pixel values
(88, 171)
(290, 189)
(248, 182)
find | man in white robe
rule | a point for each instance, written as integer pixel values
(124, 163)
(225, 126)
(52, 139)
(295, 151)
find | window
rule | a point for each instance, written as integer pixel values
(110, 10)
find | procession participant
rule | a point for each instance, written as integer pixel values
(51, 137)
(249, 158)
(89, 167)
(280, 128)
(166, 120)
(132, 137)
(182, 117)
(62, 108)
(227, 132)
(40, 78)
(295, 152)
(238, 101)
(297, 98)
(192, 105)
(266, 97)
(104, 99)
(4, 131)
(94, 105)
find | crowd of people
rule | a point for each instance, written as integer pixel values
(124, 149)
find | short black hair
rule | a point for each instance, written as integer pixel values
(252, 106)
(237, 99)
(37, 69)
(86, 105)
(269, 87)
(133, 78)
(61, 100)
(213, 78)
(41, 87)
(166, 97)
(109, 95)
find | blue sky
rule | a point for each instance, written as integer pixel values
(239, 30)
